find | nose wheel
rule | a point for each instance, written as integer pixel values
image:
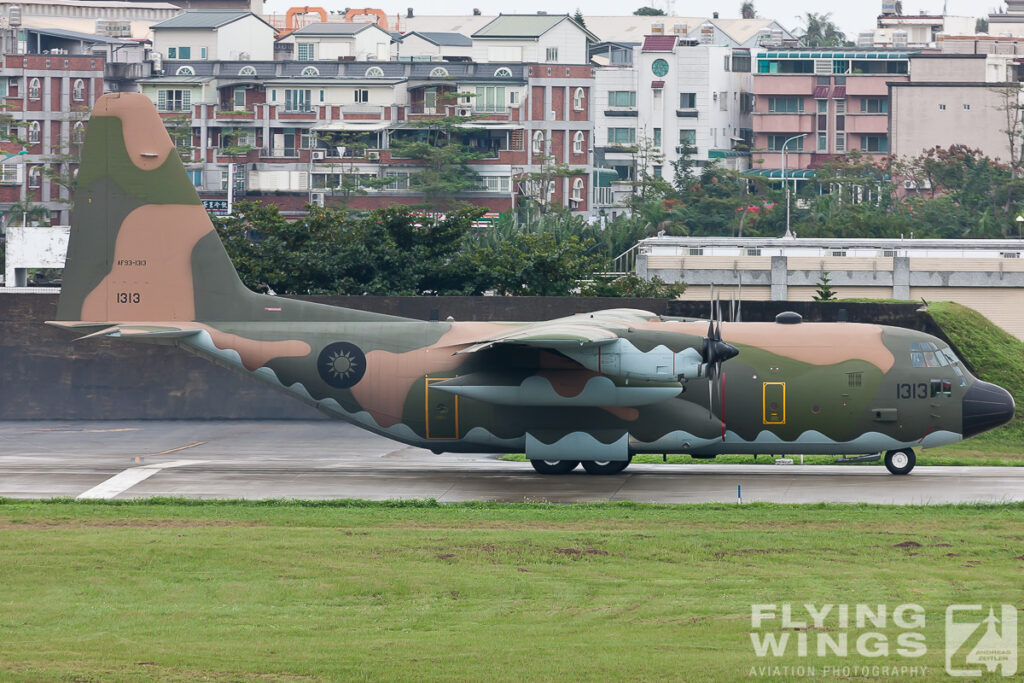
(901, 461)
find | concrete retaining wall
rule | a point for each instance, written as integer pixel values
(43, 375)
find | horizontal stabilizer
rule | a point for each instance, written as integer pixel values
(150, 333)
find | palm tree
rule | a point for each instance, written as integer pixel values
(747, 10)
(821, 31)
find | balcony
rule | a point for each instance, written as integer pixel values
(280, 153)
(873, 85)
(234, 115)
(876, 124)
(783, 84)
(784, 123)
(367, 112)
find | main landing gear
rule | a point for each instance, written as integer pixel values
(602, 467)
(901, 461)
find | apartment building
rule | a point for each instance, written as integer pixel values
(297, 131)
(829, 101)
(47, 99)
(214, 35)
(954, 99)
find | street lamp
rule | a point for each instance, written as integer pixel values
(784, 146)
(1020, 219)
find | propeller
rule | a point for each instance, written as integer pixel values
(714, 353)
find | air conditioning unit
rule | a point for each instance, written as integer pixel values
(318, 154)
(464, 111)
(316, 198)
(373, 155)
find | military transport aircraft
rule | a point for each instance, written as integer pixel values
(145, 264)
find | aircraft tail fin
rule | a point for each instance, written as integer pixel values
(142, 247)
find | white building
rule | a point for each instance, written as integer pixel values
(214, 35)
(533, 39)
(675, 94)
(434, 46)
(336, 40)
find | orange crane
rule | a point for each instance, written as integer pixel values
(291, 18)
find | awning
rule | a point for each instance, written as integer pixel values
(352, 125)
(657, 85)
(488, 125)
(839, 92)
(821, 92)
(777, 172)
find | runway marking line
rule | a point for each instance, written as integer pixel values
(179, 448)
(121, 482)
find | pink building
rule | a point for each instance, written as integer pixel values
(837, 98)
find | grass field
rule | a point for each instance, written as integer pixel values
(173, 590)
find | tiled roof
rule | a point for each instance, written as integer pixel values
(443, 38)
(204, 19)
(659, 43)
(520, 25)
(333, 28)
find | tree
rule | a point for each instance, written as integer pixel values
(443, 171)
(824, 292)
(1013, 111)
(821, 31)
(538, 264)
(578, 18)
(179, 127)
(536, 187)
(747, 10)
(981, 25)
(649, 12)
(632, 285)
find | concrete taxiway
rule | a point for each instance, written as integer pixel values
(321, 459)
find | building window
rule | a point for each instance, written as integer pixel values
(657, 138)
(297, 100)
(840, 106)
(247, 71)
(822, 106)
(754, 251)
(361, 96)
(822, 141)
(78, 133)
(696, 251)
(786, 105)
(840, 142)
(688, 137)
(10, 174)
(172, 53)
(503, 72)
(78, 90)
(874, 143)
(196, 177)
(439, 72)
(490, 98)
(185, 71)
(33, 132)
(538, 142)
(513, 97)
(495, 183)
(202, 53)
(577, 190)
(874, 105)
(577, 99)
(374, 72)
(577, 142)
(305, 52)
(723, 101)
(173, 100)
(183, 53)
(687, 100)
(775, 143)
(552, 55)
(966, 107)
(622, 98)
(33, 89)
(621, 136)
(310, 72)
(657, 171)
(942, 107)
(35, 177)
(238, 98)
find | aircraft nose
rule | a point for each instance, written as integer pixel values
(985, 407)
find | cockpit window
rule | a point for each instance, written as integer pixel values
(928, 355)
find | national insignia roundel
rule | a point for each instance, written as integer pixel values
(341, 364)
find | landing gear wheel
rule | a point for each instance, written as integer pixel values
(554, 466)
(901, 461)
(605, 466)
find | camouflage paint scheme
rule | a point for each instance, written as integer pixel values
(145, 264)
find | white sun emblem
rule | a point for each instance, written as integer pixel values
(341, 365)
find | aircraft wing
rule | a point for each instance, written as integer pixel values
(573, 332)
(135, 331)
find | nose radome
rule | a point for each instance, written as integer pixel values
(985, 407)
